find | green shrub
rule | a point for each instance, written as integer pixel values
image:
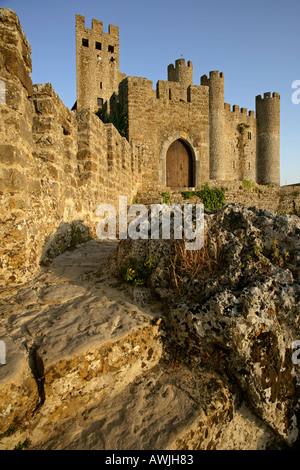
(248, 184)
(166, 197)
(211, 198)
(119, 119)
(188, 194)
(136, 272)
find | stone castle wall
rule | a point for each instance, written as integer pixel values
(56, 165)
(280, 200)
(97, 63)
(239, 144)
(159, 117)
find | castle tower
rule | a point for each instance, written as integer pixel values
(216, 123)
(183, 74)
(97, 63)
(268, 138)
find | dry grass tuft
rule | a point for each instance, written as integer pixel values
(192, 262)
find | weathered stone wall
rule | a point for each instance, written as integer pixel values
(56, 165)
(239, 144)
(281, 200)
(97, 63)
(159, 117)
(15, 148)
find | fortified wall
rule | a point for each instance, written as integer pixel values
(56, 165)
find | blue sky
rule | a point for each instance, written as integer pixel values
(256, 45)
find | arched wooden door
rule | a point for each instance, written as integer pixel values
(179, 166)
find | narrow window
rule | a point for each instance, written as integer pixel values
(98, 45)
(249, 135)
(233, 165)
(170, 94)
(85, 42)
(100, 102)
(249, 166)
(100, 85)
(111, 48)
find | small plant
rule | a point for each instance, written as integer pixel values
(166, 197)
(211, 198)
(246, 184)
(119, 119)
(188, 194)
(242, 127)
(102, 115)
(23, 445)
(137, 272)
(278, 257)
(76, 236)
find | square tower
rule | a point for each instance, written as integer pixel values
(97, 63)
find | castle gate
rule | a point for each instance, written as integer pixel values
(179, 165)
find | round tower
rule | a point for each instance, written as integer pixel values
(216, 123)
(268, 138)
(183, 74)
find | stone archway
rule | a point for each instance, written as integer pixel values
(179, 165)
(193, 159)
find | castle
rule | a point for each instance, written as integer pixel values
(185, 133)
(58, 165)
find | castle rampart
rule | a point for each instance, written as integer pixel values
(58, 165)
(239, 144)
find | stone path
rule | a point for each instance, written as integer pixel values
(86, 368)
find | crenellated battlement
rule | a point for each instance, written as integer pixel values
(97, 26)
(182, 74)
(238, 111)
(179, 63)
(213, 74)
(268, 96)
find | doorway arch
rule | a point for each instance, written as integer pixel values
(180, 165)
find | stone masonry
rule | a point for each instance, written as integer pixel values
(222, 143)
(58, 165)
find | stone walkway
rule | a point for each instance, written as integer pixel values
(86, 368)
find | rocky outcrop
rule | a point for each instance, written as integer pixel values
(93, 364)
(235, 309)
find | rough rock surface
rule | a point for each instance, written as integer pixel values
(186, 361)
(240, 311)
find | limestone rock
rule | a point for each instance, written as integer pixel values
(244, 304)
